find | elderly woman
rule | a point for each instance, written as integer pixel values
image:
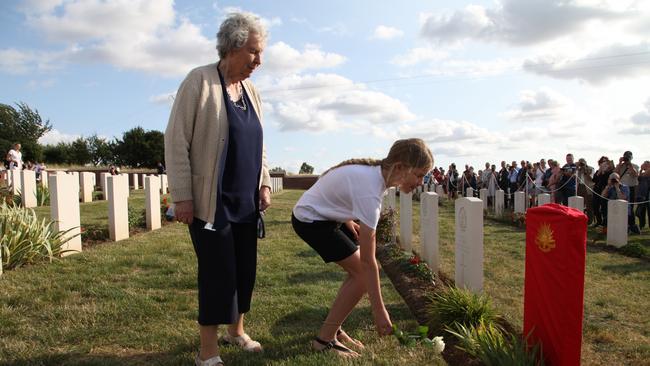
(219, 180)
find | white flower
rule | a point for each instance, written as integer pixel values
(438, 344)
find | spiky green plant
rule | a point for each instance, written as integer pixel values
(42, 195)
(24, 239)
(495, 347)
(456, 305)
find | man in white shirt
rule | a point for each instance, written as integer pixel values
(15, 157)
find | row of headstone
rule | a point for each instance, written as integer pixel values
(65, 212)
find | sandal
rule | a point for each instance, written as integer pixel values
(334, 346)
(343, 337)
(212, 361)
(244, 341)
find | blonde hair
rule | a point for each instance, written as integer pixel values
(412, 153)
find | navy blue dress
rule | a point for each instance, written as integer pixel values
(238, 188)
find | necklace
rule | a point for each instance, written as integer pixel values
(237, 99)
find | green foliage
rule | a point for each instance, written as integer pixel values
(140, 148)
(461, 306)
(306, 169)
(79, 152)
(94, 233)
(488, 343)
(278, 169)
(60, 153)
(137, 218)
(386, 225)
(637, 250)
(42, 195)
(100, 150)
(24, 239)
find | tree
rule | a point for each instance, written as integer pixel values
(80, 152)
(278, 169)
(57, 154)
(140, 148)
(23, 125)
(306, 169)
(101, 151)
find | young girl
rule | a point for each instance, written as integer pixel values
(325, 216)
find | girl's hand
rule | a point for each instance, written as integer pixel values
(354, 228)
(383, 323)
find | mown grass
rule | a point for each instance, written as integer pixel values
(134, 303)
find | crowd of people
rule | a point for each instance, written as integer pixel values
(14, 161)
(608, 181)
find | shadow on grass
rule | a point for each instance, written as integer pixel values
(307, 253)
(625, 269)
(176, 356)
(314, 277)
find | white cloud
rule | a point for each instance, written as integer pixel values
(384, 32)
(54, 136)
(165, 98)
(437, 131)
(141, 35)
(282, 59)
(515, 22)
(418, 55)
(639, 123)
(539, 106)
(326, 102)
(598, 66)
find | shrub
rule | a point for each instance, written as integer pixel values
(26, 240)
(387, 221)
(459, 306)
(42, 195)
(94, 233)
(494, 347)
(636, 250)
(137, 218)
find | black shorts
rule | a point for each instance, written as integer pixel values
(332, 240)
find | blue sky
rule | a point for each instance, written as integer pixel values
(478, 80)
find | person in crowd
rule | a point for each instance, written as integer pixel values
(554, 181)
(615, 190)
(492, 185)
(38, 170)
(629, 173)
(539, 171)
(112, 170)
(643, 195)
(567, 184)
(503, 181)
(548, 172)
(338, 220)
(15, 157)
(452, 182)
(601, 180)
(585, 184)
(512, 181)
(219, 180)
(160, 168)
(485, 176)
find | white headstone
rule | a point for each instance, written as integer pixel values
(499, 201)
(405, 220)
(44, 179)
(86, 186)
(77, 180)
(136, 184)
(520, 202)
(28, 188)
(483, 195)
(64, 209)
(469, 244)
(125, 181)
(577, 202)
(103, 178)
(617, 223)
(15, 181)
(152, 202)
(543, 199)
(429, 230)
(469, 192)
(118, 207)
(163, 183)
(440, 191)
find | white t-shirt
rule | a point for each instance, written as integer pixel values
(350, 192)
(16, 158)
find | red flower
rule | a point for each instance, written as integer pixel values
(415, 260)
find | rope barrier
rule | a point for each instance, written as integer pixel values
(609, 199)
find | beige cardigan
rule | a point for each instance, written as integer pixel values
(195, 139)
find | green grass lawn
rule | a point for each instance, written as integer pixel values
(134, 302)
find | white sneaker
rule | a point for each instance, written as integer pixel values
(212, 361)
